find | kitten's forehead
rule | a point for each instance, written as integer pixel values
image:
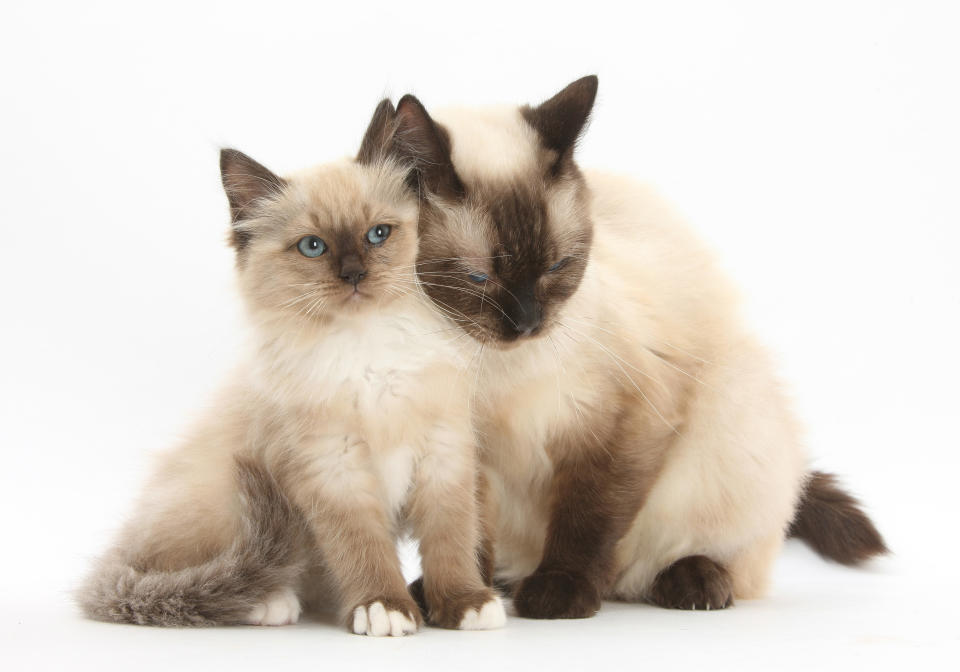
(342, 191)
(490, 143)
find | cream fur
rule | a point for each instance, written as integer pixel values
(654, 313)
(359, 409)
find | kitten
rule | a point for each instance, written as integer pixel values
(349, 420)
(634, 439)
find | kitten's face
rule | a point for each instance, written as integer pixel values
(325, 243)
(505, 235)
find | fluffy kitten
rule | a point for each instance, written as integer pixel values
(349, 419)
(634, 438)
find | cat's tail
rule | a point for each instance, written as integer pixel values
(831, 521)
(265, 556)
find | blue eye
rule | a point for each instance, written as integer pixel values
(560, 264)
(378, 233)
(311, 246)
(478, 277)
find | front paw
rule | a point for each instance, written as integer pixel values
(473, 610)
(695, 582)
(386, 617)
(556, 594)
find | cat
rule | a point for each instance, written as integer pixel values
(635, 441)
(348, 421)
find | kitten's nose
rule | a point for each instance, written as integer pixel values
(351, 270)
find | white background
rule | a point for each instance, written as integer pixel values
(814, 144)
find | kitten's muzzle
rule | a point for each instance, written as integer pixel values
(352, 270)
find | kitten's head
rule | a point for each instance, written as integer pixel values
(504, 229)
(326, 242)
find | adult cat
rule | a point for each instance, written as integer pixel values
(634, 439)
(328, 438)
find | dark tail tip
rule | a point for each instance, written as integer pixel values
(831, 521)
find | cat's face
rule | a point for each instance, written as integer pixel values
(328, 242)
(505, 239)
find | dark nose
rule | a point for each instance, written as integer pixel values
(526, 314)
(351, 270)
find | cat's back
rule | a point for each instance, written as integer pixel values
(653, 258)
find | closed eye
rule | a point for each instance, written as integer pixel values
(478, 277)
(560, 264)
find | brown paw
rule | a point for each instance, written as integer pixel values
(695, 582)
(416, 592)
(384, 616)
(556, 594)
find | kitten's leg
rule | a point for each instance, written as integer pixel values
(598, 490)
(695, 582)
(336, 488)
(444, 514)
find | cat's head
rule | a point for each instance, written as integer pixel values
(326, 242)
(504, 230)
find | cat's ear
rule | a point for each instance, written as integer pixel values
(426, 145)
(560, 120)
(246, 182)
(377, 140)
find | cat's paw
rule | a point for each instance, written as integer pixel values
(695, 582)
(556, 594)
(279, 608)
(474, 610)
(385, 618)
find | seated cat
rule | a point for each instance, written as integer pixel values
(635, 442)
(348, 420)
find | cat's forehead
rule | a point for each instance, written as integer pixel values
(490, 143)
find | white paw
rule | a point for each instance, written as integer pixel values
(378, 621)
(279, 608)
(490, 616)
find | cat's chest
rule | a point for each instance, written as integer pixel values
(525, 406)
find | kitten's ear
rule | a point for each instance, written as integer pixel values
(246, 182)
(420, 140)
(379, 136)
(561, 120)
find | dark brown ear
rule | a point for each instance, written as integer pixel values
(561, 120)
(376, 141)
(420, 140)
(245, 182)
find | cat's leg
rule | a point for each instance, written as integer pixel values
(750, 568)
(444, 513)
(333, 483)
(597, 491)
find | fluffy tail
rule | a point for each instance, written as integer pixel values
(831, 521)
(265, 556)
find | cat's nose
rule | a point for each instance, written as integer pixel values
(526, 314)
(351, 270)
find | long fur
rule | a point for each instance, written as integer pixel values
(833, 523)
(265, 556)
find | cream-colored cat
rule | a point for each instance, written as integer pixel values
(635, 441)
(348, 420)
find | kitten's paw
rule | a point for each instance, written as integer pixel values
(490, 616)
(279, 608)
(695, 582)
(385, 618)
(556, 594)
(474, 610)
